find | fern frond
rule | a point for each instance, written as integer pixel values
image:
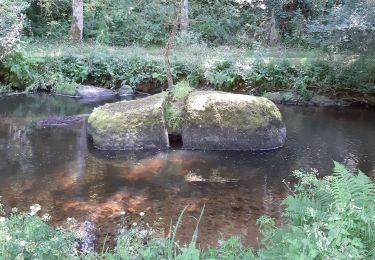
(348, 188)
(342, 186)
(366, 196)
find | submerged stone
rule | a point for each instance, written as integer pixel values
(224, 121)
(284, 97)
(61, 121)
(126, 90)
(91, 92)
(130, 125)
(322, 101)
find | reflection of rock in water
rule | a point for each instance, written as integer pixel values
(108, 156)
(214, 178)
(81, 151)
(19, 148)
(156, 186)
(61, 121)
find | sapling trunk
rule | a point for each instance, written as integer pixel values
(169, 45)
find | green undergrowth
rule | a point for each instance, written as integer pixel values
(174, 106)
(324, 218)
(57, 67)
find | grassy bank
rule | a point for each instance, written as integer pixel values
(59, 67)
(325, 218)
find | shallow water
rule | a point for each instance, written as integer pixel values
(58, 168)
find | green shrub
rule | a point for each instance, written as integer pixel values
(326, 218)
(269, 75)
(43, 67)
(64, 87)
(181, 90)
(12, 21)
(221, 74)
(27, 236)
(5, 89)
(174, 107)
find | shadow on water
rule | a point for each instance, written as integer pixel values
(59, 169)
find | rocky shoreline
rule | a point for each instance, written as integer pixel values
(290, 98)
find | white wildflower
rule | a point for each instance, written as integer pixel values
(46, 217)
(34, 209)
(134, 224)
(142, 214)
(71, 221)
(2, 219)
(80, 234)
(122, 213)
(14, 210)
(20, 256)
(22, 243)
(143, 233)
(30, 247)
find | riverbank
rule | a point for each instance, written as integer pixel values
(309, 75)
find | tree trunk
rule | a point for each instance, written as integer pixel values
(76, 29)
(273, 33)
(184, 23)
(169, 44)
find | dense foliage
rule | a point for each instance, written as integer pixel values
(11, 25)
(60, 68)
(349, 26)
(330, 217)
(333, 26)
(235, 22)
(28, 236)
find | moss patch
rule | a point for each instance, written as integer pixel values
(175, 107)
(130, 125)
(127, 115)
(205, 108)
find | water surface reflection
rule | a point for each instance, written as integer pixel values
(57, 168)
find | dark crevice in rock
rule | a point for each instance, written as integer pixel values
(175, 141)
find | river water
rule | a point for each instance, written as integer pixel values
(59, 169)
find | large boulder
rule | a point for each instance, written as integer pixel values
(130, 125)
(224, 121)
(91, 92)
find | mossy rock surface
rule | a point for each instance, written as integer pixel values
(224, 121)
(130, 125)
